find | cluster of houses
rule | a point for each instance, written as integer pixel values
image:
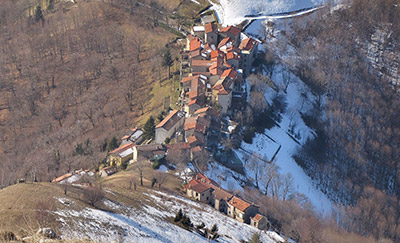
(216, 61)
(206, 190)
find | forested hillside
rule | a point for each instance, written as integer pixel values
(71, 75)
(356, 157)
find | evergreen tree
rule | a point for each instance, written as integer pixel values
(160, 117)
(149, 128)
(214, 228)
(39, 14)
(167, 61)
(113, 144)
(178, 216)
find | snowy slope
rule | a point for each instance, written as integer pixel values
(298, 99)
(149, 224)
(232, 12)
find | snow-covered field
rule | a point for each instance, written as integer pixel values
(231, 12)
(149, 224)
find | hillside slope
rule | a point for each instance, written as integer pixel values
(73, 78)
(144, 215)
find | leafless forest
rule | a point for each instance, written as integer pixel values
(72, 76)
(356, 157)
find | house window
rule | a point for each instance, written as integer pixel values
(207, 198)
(202, 194)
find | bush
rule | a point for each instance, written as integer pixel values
(156, 165)
(248, 134)
(7, 236)
(167, 140)
(186, 221)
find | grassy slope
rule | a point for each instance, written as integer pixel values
(21, 203)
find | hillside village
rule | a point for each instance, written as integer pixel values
(213, 68)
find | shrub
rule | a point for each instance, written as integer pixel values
(156, 165)
(178, 216)
(186, 221)
(7, 236)
(248, 134)
(201, 226)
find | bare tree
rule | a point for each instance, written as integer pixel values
(200, 161)
(255, 166)
(162, 178)
(93, 194)
(287, 186)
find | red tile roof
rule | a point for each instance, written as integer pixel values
(210, 27)
(193, 102)
(205, 109)
(191, 183)
(247, 44)
(224, 42)
(200, 187)
(169, 121)
(229, 73)
(221, 194)
(239, 203)
(195, 138)
(202, 63)
(63, 177)
(223, 91)
(223, 84)
(187, 79)
(194, 44)
(178, 146)
(122, 148)
(199, 177)
(216, 53)
(195, 53)
(231, 29)
(197, 149)
(258, 217)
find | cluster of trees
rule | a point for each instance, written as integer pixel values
(85, 73)
(297, 221)
(356, 157)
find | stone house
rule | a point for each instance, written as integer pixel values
(259, 221)
(248, 49)
(211, 34)
(241, 210)
(199, 191)
(220, 199)
(169, 126)
(121, 155)
(149, 152)
(231, 32)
